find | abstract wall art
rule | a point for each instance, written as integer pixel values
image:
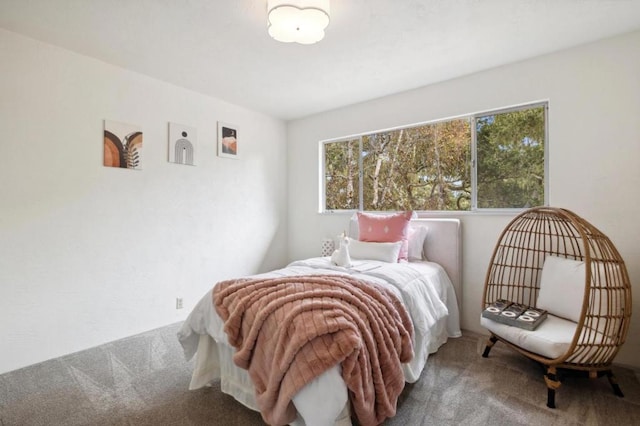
(227, 140)
(122, 145)
(182, 144)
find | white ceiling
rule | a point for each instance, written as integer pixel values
(372, 48)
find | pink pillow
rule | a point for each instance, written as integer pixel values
(386, 229)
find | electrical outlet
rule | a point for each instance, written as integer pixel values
(178, 302)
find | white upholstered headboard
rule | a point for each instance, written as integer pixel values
(443, 245)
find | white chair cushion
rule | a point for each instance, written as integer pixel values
(551, 339)
(562, 287)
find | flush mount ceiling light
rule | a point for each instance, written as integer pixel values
(299, 21)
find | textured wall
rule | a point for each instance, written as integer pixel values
(89, 254)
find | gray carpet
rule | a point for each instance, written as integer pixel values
(143, 380)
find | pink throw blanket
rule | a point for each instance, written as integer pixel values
(289, 330)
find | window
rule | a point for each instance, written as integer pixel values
(510, 153)
(432, 166)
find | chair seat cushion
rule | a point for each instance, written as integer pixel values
(551, 339)
(562, 286)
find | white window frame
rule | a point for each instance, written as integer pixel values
(474, 169)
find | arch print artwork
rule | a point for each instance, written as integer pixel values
(182, 144)
(122, 145)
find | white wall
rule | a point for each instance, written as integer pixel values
(89, 254)
(594, 147)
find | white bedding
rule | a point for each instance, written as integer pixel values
(424, 287)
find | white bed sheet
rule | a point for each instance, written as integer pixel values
(424, 288)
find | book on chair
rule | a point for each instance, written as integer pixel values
(515, 314)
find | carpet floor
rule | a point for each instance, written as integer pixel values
(143, 380)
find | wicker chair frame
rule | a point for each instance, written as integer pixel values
(514, 274)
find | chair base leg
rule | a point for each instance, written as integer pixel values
(553, 383)
(492, 341)
(614, 384)
(551, 379)
(551, 398)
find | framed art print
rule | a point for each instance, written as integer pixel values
(182, 144)
(122, 145)
(227, 140)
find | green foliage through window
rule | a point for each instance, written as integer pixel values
(430, 167)
(510, 150)
(341, 175)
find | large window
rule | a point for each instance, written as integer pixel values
(493, 160)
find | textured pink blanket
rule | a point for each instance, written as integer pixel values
(289, 330)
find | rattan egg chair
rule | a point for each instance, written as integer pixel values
(601, 323)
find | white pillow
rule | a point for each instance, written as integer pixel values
(417, 235)
(386, 252)
(562, 286)
(354, 229)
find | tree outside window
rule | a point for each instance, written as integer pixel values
(429, 166)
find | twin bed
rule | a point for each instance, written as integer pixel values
(428, 288)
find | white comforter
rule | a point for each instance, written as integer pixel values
(424, 287)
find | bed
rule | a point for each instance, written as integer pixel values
(430, 289)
